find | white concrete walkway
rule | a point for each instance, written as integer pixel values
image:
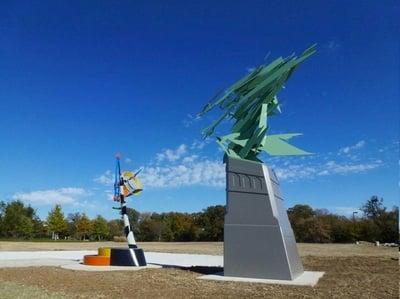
(50, 258)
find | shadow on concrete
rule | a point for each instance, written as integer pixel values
(206, 270)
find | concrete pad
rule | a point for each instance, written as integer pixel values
(184, 260)
(308, 278)
(81, 267)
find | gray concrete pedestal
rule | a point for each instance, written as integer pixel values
(258, 239)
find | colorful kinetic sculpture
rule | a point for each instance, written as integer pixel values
(126, 184)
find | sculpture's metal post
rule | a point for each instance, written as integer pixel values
(119, 186)
(128, 230)
(133, 256)
(258, 239)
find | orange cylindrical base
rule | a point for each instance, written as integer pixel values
(96, 260)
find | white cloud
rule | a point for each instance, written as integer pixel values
(185, 166)
(171, 155)
(198, 145)
(189, 159)
(188, 173)
(333, 45)
(109, 195)
(128, 160)
(295, 172)
(85, 204)
(107, 178)
(44, 197)
(190, 119)
(177, 167)
(193, 171)
(348, 149)
(333, 167)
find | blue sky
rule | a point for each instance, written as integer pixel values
(82, 80)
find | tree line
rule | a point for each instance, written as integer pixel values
(375, 223)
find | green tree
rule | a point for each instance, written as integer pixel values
(133, 215)
(115, 228)
(83, 227)
(303, 223)
(100, 228)
(71, 220)
(367, 230)
(18, 221)
(39, 228)
(56, 222)
(341, 229)
(2, 212)
(300, 212)
(378, 223)
(373, 208)
(133, 220)
(150, 227)
(211, 223)
(178, 227)
(388, 224)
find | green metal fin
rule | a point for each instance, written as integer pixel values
(276, 145)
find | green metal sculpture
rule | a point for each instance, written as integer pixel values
(249, 102)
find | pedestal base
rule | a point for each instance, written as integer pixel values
(127, 257)
(258, 239)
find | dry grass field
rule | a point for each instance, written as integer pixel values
(352, 271)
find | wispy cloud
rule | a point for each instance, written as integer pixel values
(190, 158)
(171, 155)
(347, 149)
(188, 172)
(177, 167)
(333, 45)
(192, 171)
(199, 144)
(300, 171)
(186, 166)
(190, 119)
(85, 204)
(107, 178)
(332, 167)
(183, 166)
(63, 196)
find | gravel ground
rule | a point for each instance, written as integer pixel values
(346, 277)
(352, 271)
(12, 290)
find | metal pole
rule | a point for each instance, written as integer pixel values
(119, 192)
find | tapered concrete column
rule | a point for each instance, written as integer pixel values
(258, 239)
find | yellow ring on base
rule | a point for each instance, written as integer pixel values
(104, 251)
